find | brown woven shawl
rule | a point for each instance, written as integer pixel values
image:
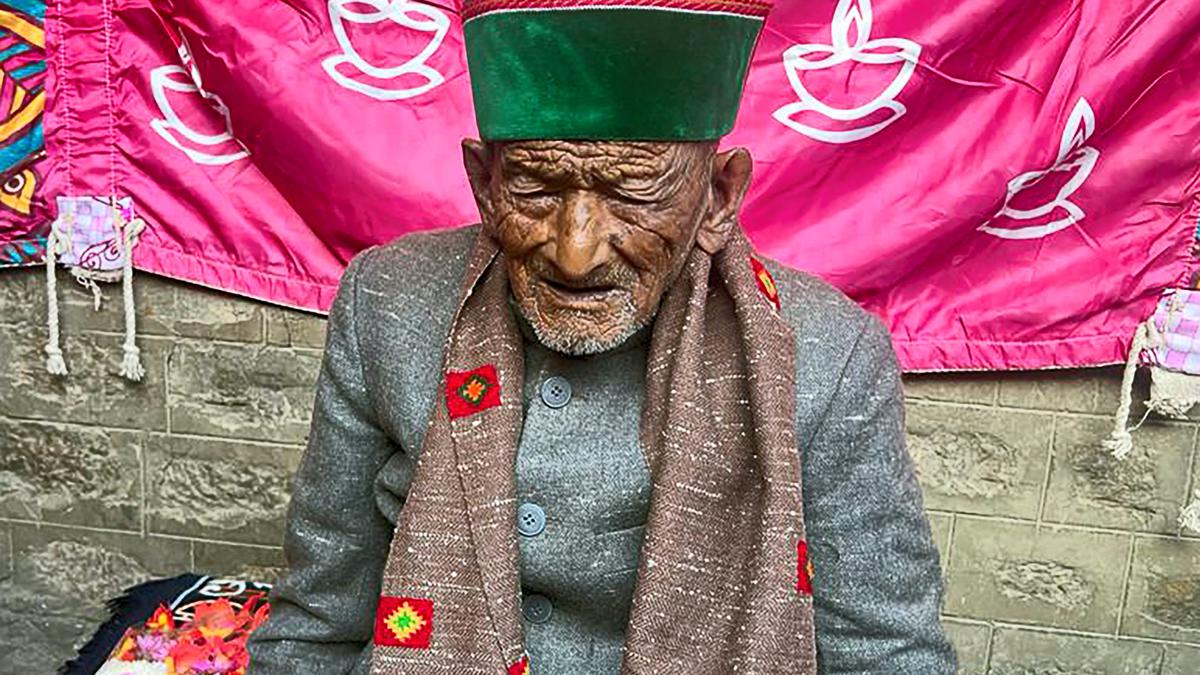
(723, 584)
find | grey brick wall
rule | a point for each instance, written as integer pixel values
(1057, 558)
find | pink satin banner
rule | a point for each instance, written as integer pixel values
(1010, 185)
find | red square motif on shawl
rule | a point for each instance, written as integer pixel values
(804, 568)
(766, 282)
(520, 667)
(470, 391)
(404, 622)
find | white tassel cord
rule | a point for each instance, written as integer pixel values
(55, 363)
(1173, 394)
(131, 362)
(1120, 441)
(90, 284)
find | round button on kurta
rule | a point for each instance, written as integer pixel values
(537, 608)
(531, 519)
(556, 392)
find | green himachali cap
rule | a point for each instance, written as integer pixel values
(635, 70)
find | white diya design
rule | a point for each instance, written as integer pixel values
(847, 125)
(387, 81)
(1074, 162)
(184, 105)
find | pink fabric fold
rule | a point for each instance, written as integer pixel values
(1009, 185)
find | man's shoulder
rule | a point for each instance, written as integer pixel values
(417, 263)
(816, 309)
(840, 347)
(404, 297)
(415, 269)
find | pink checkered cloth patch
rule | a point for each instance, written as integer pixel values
(1177, 319)
(89, 232)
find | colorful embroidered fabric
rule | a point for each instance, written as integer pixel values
(804, 568)
(520, 667)
(766, 283)
(1009, 185)
(404, 622)
(24, 225)
(472, 391)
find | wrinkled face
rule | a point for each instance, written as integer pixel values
(595, 232)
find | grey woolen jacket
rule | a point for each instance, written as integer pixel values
(877, 581)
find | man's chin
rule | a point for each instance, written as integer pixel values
(577, 343)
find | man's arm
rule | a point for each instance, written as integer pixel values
(323, 609)
(877, 583)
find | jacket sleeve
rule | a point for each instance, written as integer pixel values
(336, 542)
(877, 584)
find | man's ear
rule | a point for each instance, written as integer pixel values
(477, 159)
(730, 179)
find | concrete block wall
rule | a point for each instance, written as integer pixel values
(1058, 559)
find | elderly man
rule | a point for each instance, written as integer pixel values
(598, 433)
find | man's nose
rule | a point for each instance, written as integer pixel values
(582, 243)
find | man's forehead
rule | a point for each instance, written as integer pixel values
(626, 158)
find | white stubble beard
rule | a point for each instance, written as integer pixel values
(584, 345)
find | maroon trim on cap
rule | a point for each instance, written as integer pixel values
(755, 8)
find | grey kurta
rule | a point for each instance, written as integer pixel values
(877, 581)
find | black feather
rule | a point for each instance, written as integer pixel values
(131, 609)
